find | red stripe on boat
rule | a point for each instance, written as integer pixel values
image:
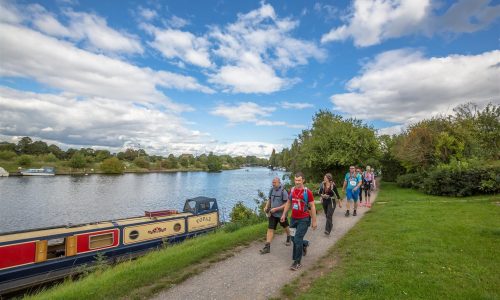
(15, 255)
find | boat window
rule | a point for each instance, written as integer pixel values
(190, 206)
(56, 248)
(101, 240)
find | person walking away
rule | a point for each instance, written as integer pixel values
(278, 197)
(368, 185)
(329, 193)
(301, 201)
(352, 183)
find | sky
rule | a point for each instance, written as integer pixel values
(236, 77)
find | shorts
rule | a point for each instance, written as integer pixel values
(352, 195)
(273, 223)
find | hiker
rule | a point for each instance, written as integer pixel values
(278, 197)
(301, 200)
(358, 171)
(352, 182)
(329, 193)
(368, 185)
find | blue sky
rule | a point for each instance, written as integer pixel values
(236, 77)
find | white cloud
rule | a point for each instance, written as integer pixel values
(371, 22)
(63, 66)
(147, 14)
(176, 22)
(296, 105)
(47, 22)
(249, 112)
(94, 122)
(107, 124)
(402, 86)
(396, 129)
(254, 47)
(100, 36)
(184, 45)
(9, 13)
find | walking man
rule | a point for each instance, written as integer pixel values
(301, 200)
(353, 182)
(278, 197)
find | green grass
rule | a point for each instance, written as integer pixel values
(157, 270)
(415, 246)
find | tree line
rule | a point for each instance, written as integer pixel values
(456, 154)
(27, 152)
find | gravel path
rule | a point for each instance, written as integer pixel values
(250, 275)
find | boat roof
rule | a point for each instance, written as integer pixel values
(42, 232)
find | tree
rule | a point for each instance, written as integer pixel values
(141, 162)
(4, 146)
(77, 161)
(57, 151)
(272, 159)
(172, 162)
(22, 146)
(112, 166)
(101, 155)
(213, 163)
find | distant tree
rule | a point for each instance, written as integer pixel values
(112, 166)
(141, 162)
(272, 159)
(7, 154)
(172, 162)
(22, 146)
(213, 163)
(50, 158)
(101, 155)
(78, 161)
(184, 161)
(70, 152)
(5, 146)
(57, 151)
(25, 160)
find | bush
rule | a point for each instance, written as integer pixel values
(411, 180)
(7, 155)
(112, 166)
(78, 161)
(25, 160)
(141, 162)
(50, 158)
(463, 181)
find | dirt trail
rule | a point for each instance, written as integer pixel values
(250, 275)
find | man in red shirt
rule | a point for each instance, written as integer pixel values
(301, 200)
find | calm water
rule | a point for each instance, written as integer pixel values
(31, 202)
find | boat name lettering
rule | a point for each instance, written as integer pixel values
(157, 230)
(203, 219)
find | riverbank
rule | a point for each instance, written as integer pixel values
(414, 246)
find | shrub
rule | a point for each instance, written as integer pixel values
(141, 162)
(411, 180)
(112, 166)
(7, 155)
(462, 181)
(78, 161)
(50, 158)
(240, 212)
(25, 160)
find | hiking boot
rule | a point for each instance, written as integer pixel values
(327, 233)
(304, 250)
(295, 266)
(287, 243)
(347, 213)
(354, 213)
(266, 249)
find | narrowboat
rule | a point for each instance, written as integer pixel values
(36, 256)
(45, 171)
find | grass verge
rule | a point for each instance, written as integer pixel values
(157, 270)
(413, 246)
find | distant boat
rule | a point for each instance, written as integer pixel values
(45, 171)
(3, 173)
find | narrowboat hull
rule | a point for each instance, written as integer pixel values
(38, 256)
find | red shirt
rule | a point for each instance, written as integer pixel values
(297, 196)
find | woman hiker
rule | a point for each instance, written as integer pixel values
(329, 193)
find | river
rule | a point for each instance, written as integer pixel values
(39, 201)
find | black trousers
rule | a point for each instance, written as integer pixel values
(329, 207)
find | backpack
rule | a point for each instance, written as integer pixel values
(306, 198)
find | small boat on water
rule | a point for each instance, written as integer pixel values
(3, 173)
(36, 256)
(45, 171)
